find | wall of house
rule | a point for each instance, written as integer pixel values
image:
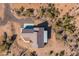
(45, 37)
(28, 25)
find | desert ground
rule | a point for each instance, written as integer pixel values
(53, 47)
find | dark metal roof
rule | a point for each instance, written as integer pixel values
(29, 27)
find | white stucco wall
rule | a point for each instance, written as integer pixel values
(28, 25)
(45, 37)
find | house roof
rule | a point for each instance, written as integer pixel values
(40, 37)
(39, 41)
(27, 31)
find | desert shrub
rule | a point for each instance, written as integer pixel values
(56, 54)
(29, 12)
(62, 53)
(22, 9)
(14, 37)
(7, 42)
(77, 40)
(65, 37)
(76, 46)
(77, 54)
(5, 35)
(18, 12)
(33, 53)
(51, 52)
(24, 12)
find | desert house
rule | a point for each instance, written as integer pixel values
(38, 35)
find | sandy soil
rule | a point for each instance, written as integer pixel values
(53, 43)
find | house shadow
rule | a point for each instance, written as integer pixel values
(46, 27)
